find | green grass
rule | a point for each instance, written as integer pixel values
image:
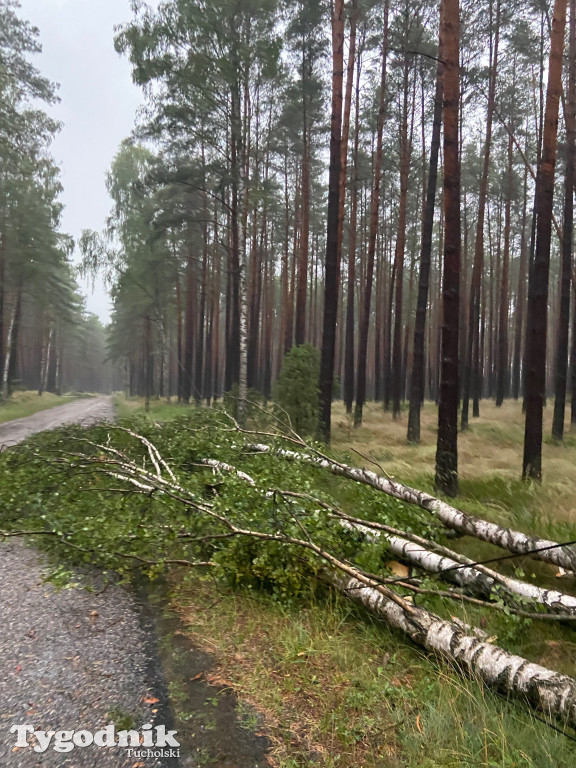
(22, 404)
(339, 689)
(160, 409)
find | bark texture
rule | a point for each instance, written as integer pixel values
(473, 579)
(539, 277)
(545, 689)
(332, 270)
(446, 479)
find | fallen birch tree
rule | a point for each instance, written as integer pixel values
(474, 578)
(214, 524)
(467, 575)
(544, 689)
(552, 552)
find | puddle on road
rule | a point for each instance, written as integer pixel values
(212, 729)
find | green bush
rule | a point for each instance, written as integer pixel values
(296, 390)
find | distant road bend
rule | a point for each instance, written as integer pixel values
(86, 411)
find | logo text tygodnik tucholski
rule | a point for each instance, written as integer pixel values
(147, 742)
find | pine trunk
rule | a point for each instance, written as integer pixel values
(417, 381)
(502, 368)
(471, 370)
(567, 238)
(332, 268)
(374, 208)
(539, 278)
(446, 479)
(352, 242)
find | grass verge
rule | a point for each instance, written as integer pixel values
(337, 688)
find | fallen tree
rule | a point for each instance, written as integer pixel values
(552, 552)
(468, 575)
(545, 689)
(451, 566)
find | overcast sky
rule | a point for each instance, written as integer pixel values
(98, 104)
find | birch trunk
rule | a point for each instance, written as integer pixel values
(416, 555)
(46, 360)
(514, 541)
(6, 369)
(11, 344)
(243, 372)
(545, 690)
(474, 579)
(451, 566)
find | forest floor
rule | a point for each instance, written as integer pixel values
(489, 455)
(338, 689)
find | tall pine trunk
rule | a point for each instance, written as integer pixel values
(471, 369)
(567, 238)
(446, 480)
(374, 208)
(502, 364)
(349, 366)
(189, 328)
(520, 296)
(539, 277)
(344, 155)
(417, 381)
(399, 252)
(302, 268)
(332, 265)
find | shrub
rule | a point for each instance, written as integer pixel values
(296, 390)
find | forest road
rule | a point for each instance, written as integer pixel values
(77, 658)
(86, 411)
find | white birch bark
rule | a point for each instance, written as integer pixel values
(468, 578)
(223, 467)
(58, 365)
(451, 566)
(473, 578)
(514, 541)
(243, 300)
(545, 689)
(47, 360)
(8, 355)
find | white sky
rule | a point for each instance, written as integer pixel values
(98, 104)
